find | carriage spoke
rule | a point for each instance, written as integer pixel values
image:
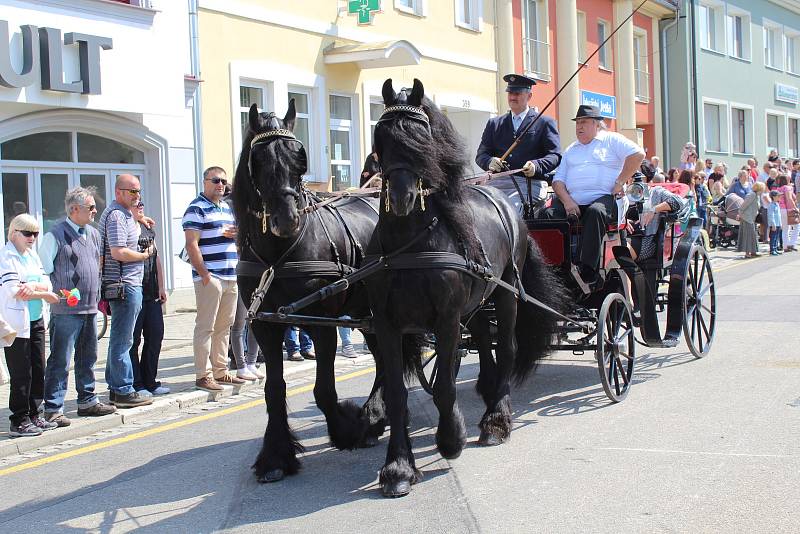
(694, 326)
(622, 371)
(702, 272)
(709, 310)
(703, 290)
(612, 373)
(703, 325)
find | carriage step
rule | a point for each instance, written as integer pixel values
(667, 343)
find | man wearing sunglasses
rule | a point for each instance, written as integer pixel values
(123, 264)
(210, 233)
(70, 254)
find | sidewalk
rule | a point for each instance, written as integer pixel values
(176, 371)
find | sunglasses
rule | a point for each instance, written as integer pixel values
(132, 192)
(216, 181)
(93, 207)
(28, 233)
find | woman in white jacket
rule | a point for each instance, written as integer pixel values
(24, 292)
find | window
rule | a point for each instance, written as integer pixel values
(773, 54)
(715, 127)
(414, 7)
(792, 51)
(774, 132)
(341, 115)
(302, 122)
(710, 26)
(534, 37)
(794, 138)
(468, 14)
(581, 36)
(738, 29)
(604, 55)
(641, 74)
(375, 111)
(741, 129)
(47, 146)
(249, 95)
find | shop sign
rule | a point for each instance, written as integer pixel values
(364, 8)
(42, 58)
(606, 103)
(787, 93)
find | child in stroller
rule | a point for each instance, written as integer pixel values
(724, 226)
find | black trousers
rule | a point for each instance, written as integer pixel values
(150, 326)
(595, 218)
(25, 361)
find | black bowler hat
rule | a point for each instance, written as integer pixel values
(517, 83)
(585, 111)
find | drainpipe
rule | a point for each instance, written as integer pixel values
(693, 74)
(665, 87)
(194, 56)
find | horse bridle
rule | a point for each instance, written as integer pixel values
(417, 113)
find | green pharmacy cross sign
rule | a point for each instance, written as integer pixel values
(364, 8)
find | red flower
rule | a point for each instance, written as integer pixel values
(72, 301)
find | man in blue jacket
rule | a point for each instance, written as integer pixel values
(538, 153)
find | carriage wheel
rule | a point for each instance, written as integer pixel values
(616, 346)
(426, 372)
(699, 302)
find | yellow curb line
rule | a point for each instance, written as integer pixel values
(170, 426)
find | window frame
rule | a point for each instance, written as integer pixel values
(605, 57)
(476, 8)
(747, 33)
(418, 9)
(769, 25)
(792, 117)
(749, 130)
(791, 41)
(310, 175)
(782, 130)
(351, 127)
(640, 36)
(252, 84)
(581, 19)
(717, 9)
(543, 71)
(724, 129)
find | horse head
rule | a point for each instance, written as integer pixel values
(276, 163)
(404, 145)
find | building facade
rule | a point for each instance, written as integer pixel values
(738, 98)
(333, 63)
(90, 89)
(551, 38)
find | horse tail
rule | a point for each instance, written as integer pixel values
(536, 326)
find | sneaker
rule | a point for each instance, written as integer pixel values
(144, 393)
(58, 418)
(43, 423)
(308, 355)
(256, 371)
(245, 374)
(98, 410)
(24, 430)
(207, 384)
(160, 390)
(348, 351)
(228, 378)
(131, 400)
(295, 357)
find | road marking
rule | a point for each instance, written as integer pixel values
(171, 426)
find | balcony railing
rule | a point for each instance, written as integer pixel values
(642, 85)
(537, 59)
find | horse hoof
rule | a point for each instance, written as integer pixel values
(369, 442)
(401, 488)
(273, 475)
(489, 440)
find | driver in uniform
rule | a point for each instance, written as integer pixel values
(591, 175)
(538, 153)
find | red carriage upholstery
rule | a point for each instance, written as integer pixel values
(676, 188)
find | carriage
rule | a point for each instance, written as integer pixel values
(630, 296)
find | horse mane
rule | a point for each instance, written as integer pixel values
(242, 190)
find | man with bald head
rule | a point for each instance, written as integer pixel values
(123, 268)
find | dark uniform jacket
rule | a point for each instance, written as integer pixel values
(540, 144)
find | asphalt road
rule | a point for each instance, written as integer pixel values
(698, 446)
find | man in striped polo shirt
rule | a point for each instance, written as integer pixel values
(210, 242)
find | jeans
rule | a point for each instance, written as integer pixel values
(701, 212)
(240, 331)
(150, 326)
(345, 332)
(68, 332)
(290, 341)
(25, 360)
(119, 370)
(774, 239)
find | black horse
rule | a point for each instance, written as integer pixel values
(425, 204)
(306, 251)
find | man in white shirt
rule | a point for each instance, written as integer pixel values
(592, 172)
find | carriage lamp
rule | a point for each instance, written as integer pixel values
(637, 192)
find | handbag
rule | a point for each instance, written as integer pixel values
(793, 216)
(110, 290)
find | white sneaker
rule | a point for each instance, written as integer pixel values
(245, 374)
(348, 351)
(255, 370)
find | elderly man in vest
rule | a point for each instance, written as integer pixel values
(70, 253)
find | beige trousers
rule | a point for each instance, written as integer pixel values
(216, 309)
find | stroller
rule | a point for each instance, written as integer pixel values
(722, 216)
